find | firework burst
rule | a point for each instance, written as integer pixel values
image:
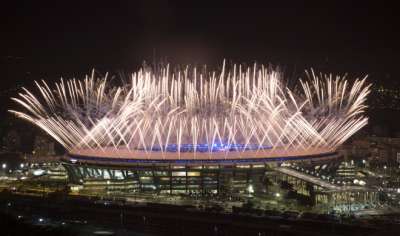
(235, 110)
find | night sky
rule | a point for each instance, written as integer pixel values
(49, 39)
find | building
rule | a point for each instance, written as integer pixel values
(177, 176)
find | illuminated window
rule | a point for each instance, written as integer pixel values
(179, 173)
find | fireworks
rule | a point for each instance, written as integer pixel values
(235, 110)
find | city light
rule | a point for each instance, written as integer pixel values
(250, 189)
(38, 172)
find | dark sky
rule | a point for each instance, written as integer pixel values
(53, 39)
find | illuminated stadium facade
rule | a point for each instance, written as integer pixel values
(194, 131)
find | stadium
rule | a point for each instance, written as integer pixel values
(194, 131)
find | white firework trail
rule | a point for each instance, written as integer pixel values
(187, 111)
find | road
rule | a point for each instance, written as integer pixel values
(318, 181)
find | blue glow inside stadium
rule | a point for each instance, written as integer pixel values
(216, 147)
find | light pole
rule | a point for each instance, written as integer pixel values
(384, 170)
(4, 168)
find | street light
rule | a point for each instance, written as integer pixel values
(4, 166)
(250, 189)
